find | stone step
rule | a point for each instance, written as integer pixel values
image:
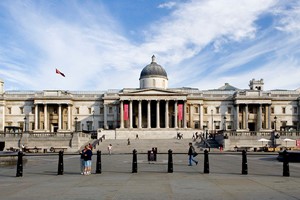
(144, 145)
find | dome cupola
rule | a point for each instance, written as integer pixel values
(153, 76)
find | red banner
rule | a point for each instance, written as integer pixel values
(298, 143)
(125, 111)
(180, 111)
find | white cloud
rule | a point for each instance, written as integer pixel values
(167, 5)
(89, 46)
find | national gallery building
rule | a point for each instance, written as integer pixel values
(152, 106)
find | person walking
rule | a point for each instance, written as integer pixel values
(191, 154)
(109, 148)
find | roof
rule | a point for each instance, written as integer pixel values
(153, 70)
(227, 87)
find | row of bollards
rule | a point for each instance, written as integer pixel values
(60, 171)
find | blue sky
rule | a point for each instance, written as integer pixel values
(104, 44)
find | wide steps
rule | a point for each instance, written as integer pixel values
(144, 145)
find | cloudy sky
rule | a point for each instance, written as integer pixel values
(104, 44)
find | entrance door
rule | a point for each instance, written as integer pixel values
(251, 126)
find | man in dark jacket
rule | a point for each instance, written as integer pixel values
(191, 154)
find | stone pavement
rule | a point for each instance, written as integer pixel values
(40, 179)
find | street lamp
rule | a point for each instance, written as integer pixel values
(275, 118)
(212, 120)
(93, 121)
(224, 126)
(274, 136)
(25, 124)
(76, 123)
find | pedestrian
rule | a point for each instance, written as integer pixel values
(109, 148)
(87, 161)
(91, 146)
(191, 154)
(128, 141)
(82, 160)
(136, 136)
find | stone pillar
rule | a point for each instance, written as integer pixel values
(59, 117)
(140, 114)
(268, 113)
(191, 116)
(259, 118)
(237, 117)
(201, 116)
(176, 113)
(45, 118)
(184, 114)
(122, 115)
(36, 118)
(130, 114)
(167, 114)
(69, 118)
(149, 114)
(105, 116)
(157, 114)
(246, 117)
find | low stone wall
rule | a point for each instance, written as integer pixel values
(72, 142)
(145, 133)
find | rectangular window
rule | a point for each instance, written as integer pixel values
(229, 110)
(101, 110)
(21, 110)
(90, 110)
(196, 109)
(283, 110)
(110, 110)
(217, 110)
(9, 110)
(32, 110)
(295, 110)
(77, 110)
(205, 110)
(272, 110)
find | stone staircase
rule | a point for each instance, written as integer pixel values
(143, 145)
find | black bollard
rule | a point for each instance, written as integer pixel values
(60, 163)
(20, 164)
(286, 168)
(244, 163)
(134, 161)
(98, 167)
(170, 161)
(206, 162)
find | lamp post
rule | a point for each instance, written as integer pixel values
(274, 137)
(25, 124)
(275, 120)
(76, 123)
(224, 126)
(93, 121)
(212, 120)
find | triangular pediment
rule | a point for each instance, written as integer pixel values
(153, 92)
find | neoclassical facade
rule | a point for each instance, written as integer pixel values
(152, 106)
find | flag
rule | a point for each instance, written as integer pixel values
(59, 72)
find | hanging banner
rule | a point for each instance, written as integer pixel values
(180, 111)
(125, 111)
(298, 143)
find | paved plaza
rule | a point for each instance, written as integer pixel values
(225, 181)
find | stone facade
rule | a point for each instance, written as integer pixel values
(153, 106)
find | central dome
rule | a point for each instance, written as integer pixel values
(153, 76)
(153, 70)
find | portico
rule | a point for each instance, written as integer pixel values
(152, 108)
